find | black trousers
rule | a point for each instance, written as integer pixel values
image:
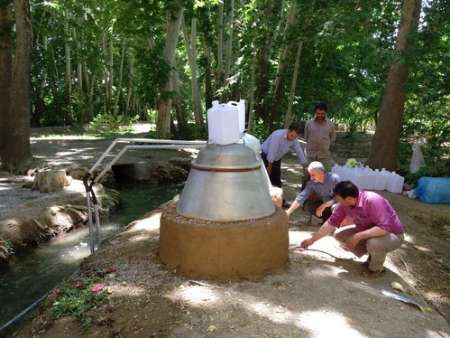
(311, 206)
(275, 176)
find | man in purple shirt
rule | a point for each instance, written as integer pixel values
(377, 229)
(278, 144)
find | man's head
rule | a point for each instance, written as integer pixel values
(316, 172)
(293, 132)
(346, 193)
(320, 111)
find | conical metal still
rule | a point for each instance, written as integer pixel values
(226, 184)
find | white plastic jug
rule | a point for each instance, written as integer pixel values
(395, 183)
(211, 126)
(241, 109)
(379, 181)
(223, 124)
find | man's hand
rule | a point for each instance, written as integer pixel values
(352, 242)
(269, 168)
(292, 208)
(320, 209)
(306, 243)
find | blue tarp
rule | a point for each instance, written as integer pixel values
(433, 189)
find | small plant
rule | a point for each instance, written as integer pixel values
(352, 163)
(76, 299)
(110, 125)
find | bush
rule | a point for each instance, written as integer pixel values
(105, 124)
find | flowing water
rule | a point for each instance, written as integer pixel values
(31, 274)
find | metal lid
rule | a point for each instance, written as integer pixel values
(232, 156)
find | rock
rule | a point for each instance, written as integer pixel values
(49, 180)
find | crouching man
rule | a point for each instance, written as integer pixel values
(317, 198)
(377, 229)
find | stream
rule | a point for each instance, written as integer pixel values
(31, 274)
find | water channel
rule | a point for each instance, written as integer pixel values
(31, 274)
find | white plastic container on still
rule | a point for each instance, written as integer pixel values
(223, 123)
(241, 109)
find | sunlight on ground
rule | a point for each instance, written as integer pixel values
(196, 295)
(320, 323)
(121, 290)
(336, 325)
(57, 137)
(73, 151)
(138, 238)
(150, 223)
(409, 238)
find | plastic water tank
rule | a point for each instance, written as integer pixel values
(223, 124)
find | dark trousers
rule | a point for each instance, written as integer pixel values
(275, 176)
(311, 206)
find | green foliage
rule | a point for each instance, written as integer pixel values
(77, 299)
(260, 130)
(110, 125)
(352, 163)
(348, 47)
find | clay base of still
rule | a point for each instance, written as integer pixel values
(224, 250)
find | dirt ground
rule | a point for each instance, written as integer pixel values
(321, 293)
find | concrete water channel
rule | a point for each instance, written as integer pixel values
(30, 275)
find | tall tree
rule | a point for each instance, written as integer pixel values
(17, 154)
(191, 49)
(174, 15)
(284, 60)
(385, 144)
(5, 71)
(269, 17)
(289, 114)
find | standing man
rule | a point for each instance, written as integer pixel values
(320, 133)
(279, 143)
(377, 229)
(318, 196)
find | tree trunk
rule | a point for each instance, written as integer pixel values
(268, 16)
(130, 83)
(79, 63)
(219, 70)
(178, 103)
(119, 83)
(229, 52)
(385, 144)
(288, 118)
(191, 48)
(165, 101)
(68, 74)
(251, 106)
(107, 45)
(280, 80)
(17, 151)
(208, 76)
(5, 72)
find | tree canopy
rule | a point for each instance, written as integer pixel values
(165, 61)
